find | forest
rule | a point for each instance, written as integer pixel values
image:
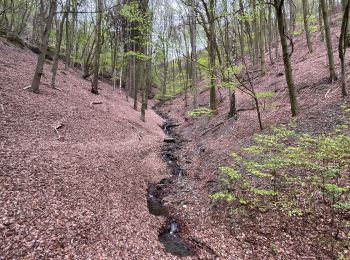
(166, 129)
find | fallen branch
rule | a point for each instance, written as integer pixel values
(26, 88)
(213, 128)
(330, 90)
(96, 103)
(173, 125)
(56, 127)
(2, 108)
(246, 109)
(58, 134)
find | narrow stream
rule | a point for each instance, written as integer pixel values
(170, 232)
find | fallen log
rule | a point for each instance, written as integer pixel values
(213, 128)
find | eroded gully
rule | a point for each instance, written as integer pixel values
(170, 234)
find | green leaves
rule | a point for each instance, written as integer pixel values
(201, 112)
(295, 213)
(225, 195)
(291, 172)
(342, 206)
(231, 173)
(264, 192)
(335, 189)
(265, 94)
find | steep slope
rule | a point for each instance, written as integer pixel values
(210, 141)
(84, 195)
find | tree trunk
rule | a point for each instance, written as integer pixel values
(342, 47)
(233, 110)
(68, 40)
(332, 74)
(262, 40)
(306, 24)
(135, 85)
(44, 43)
(94, 88)
(286, 59)
(320, 22)
(59, 32)
(211, 52)
(193, 54)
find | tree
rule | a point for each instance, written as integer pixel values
(59, 32)
(193, 31)
(43, 48)
(278, 4)
(99, 7)
(306, 24)
(332, 73)
(342, 47)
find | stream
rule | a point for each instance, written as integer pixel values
(170, 232)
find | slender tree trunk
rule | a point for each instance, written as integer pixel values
(332, 74)
(44, 43)
(270, 34)
(94, 88)
(320, 22)
(194, 54)
(342, 47)
(59, 32)
(68, 40)
(211, 52)
(135, 85)
(142, 70)
(249, 34)
(262, 40)
(286, 58)
(256, 33)
(306, 24)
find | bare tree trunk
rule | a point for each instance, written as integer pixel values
(135, 86)
(193, 54)
(211, 52)
(306, 24)
(44, 43)
(68, 40)
(262, 40)
(59, 32)
(99, 6)
(320, 22)
(249, 35)
(142, 71)
(120, 81)
(256, 33)
(286, 59)
(270, 34)
(332, 74)
(342, 47)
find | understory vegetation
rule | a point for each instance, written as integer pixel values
(294, 174)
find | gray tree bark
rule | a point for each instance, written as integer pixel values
(43, 48)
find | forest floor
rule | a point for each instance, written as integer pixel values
(82, 194)
(208, 143)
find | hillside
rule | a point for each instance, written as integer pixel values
(209, 142)
(82, 195)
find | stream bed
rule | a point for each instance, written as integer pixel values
(170, 232)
